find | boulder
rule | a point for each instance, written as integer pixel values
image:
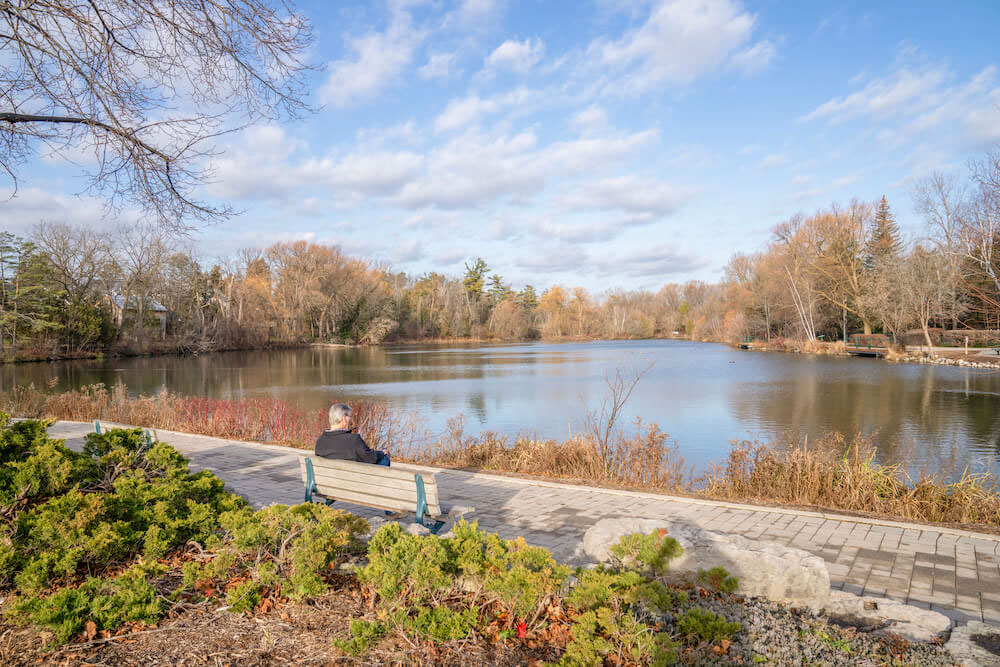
(887, 616)
(764, 569)
(975, 644)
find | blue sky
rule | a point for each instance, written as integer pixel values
(604, 144)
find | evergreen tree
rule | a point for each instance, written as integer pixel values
(474, 280)
(528, 298)
(884, 243)
(498, 291)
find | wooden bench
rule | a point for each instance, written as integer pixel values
(400, 488)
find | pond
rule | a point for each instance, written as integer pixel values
(933, 418)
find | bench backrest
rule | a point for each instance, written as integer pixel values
(389, 488)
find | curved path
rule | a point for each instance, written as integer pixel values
(951, 571)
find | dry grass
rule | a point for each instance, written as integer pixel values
(642, 457)
(841, 475)
(832, 473)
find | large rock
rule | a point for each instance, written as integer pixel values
(975, 644)
(764, 569)
(885, 615)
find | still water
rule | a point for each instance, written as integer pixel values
(704, 395)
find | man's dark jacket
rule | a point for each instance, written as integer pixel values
(346, 445)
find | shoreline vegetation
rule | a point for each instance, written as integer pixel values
(833, 473)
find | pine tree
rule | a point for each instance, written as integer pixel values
(528, 298)
(884, 242)
(474, 279)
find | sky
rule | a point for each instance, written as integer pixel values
(595, 143)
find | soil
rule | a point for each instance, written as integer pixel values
(294, 633)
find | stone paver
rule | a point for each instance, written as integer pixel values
(954, 572)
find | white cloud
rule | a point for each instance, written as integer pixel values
(924, 105)
(474, 170)
(473, 14)
(597, 152)
(440, 66)
(754, 59)
(468, 110)
(377, 60)
(516, 56)
(590, 119)
(589, 232)
(659, 260)
(905, 91)
(29, 206)
(628, 193)
(680, 41)
(409, 250)
(773, 160)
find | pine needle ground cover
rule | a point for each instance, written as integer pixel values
(119, 554)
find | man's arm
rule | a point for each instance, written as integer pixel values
(362, 452)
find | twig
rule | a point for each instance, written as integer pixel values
(94, 642)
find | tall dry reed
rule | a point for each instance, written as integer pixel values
(837, 474)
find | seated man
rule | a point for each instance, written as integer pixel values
(340, 442)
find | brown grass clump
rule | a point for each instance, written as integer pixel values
(643, 457)
(845, 476)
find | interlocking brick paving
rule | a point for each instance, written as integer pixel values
(954, 572)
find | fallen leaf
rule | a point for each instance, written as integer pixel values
(89, 630)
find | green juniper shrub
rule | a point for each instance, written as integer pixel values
(651, 552)
(132, 499)
(279, 546)
(702, 625)
(108, 602)
(441, 624)
(363, 635)
(616, 634)
(517, 576)
(718, 579)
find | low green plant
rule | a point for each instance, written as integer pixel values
(703, 625)
(614, 634)
(652, 551)
(363, 635)
(718, 579)
(288, 547)
(441, 624)
(107, 602)
(424, 570)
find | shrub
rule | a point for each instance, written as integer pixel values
(278, 546)
(108, 603)
(718, 579)
(363, 635)
(703, 625)
(653, 551)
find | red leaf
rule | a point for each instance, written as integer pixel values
(522, 629)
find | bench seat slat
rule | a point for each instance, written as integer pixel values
(327, 487)
(379, 502)
(363, 481)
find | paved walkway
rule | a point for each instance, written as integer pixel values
(951, 571)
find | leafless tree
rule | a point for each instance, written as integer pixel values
(141, 88)
(78, 255)
(942, 201)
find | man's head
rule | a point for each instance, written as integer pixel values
(340, 416)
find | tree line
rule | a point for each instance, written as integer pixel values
(847, 269)
(73, 290)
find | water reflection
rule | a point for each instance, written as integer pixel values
(703, 395)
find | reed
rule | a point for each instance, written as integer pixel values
(831, 473)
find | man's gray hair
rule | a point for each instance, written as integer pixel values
(337, 413)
